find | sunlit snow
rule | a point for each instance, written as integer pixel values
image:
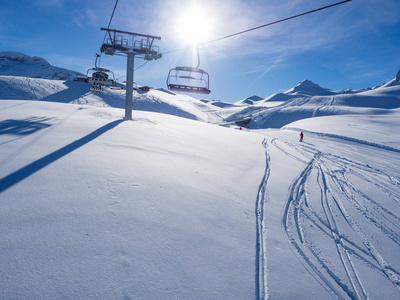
(184, 203)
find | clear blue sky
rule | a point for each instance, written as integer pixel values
(354, 45)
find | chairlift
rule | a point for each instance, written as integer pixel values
(99, 77)
(189, 79)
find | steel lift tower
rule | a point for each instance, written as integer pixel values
(130, 44)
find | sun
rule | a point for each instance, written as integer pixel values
(194, 25)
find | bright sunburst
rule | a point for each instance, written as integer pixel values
(194, 25)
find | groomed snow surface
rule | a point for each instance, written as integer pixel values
(167, 206)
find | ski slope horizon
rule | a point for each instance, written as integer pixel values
(181, 204)
(23, 65)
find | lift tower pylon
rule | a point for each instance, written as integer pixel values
(130, 44)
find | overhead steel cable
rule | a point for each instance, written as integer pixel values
(109, 23)
(261, 26)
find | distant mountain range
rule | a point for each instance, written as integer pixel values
(33, 78)
(304, 88)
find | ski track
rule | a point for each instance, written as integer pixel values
(261, 255)
(334, 212)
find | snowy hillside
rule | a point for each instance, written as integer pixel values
(92, 207)
(304, 102)
(273, 112)
(250, 100)
(13, 87)
(19, 64)
(172, 206)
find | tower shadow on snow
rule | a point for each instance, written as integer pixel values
(21, 174)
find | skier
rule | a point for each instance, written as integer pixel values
(301, 136)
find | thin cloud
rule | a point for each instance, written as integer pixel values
(85, 17)
(278, 63)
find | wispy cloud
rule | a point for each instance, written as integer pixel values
(277, 63)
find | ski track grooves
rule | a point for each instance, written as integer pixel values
(339, 200)
(261, 257)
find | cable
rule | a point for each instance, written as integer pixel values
(135, 69)
(261, 26)
(109, 23)
(142, 65)
(279, 21)
(237, 33)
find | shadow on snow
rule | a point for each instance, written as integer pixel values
(21, 174)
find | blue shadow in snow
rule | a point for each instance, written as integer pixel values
(21, 174)
(23, 127)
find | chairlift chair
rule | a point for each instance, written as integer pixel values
(99, 77)
(189, 79)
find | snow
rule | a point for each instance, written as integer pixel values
(250, 100)
(307, 87)
(19, 64)
(160, 207)
(172, 206)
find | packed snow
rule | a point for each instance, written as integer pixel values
(184, 203)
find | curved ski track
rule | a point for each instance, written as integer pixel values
(334, 227)
(261, 257)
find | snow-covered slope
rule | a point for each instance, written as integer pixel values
(250, 100)
(302, 104)
(165, 207)
(159, 207)
(273, 112)
(306, 100)
(309, 88)
(331, 209)
(17, 88)
(19, 64)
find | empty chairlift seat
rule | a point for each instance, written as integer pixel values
(188, 79)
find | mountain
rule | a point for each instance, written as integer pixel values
(19, 64)
(250, 100)
(309, 88)
(17, 87)
(305, 100)
(309, 100)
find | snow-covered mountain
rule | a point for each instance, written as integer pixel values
(19, 64)
(17, 87)
(273, 112)
(168, 206)
(309, 88)
(309, 100)
(250, 100)
(305, 100)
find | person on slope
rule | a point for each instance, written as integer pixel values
(301, 136)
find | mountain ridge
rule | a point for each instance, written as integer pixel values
(19, 64)
(305, 100)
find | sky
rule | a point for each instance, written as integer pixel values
(350, 46)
